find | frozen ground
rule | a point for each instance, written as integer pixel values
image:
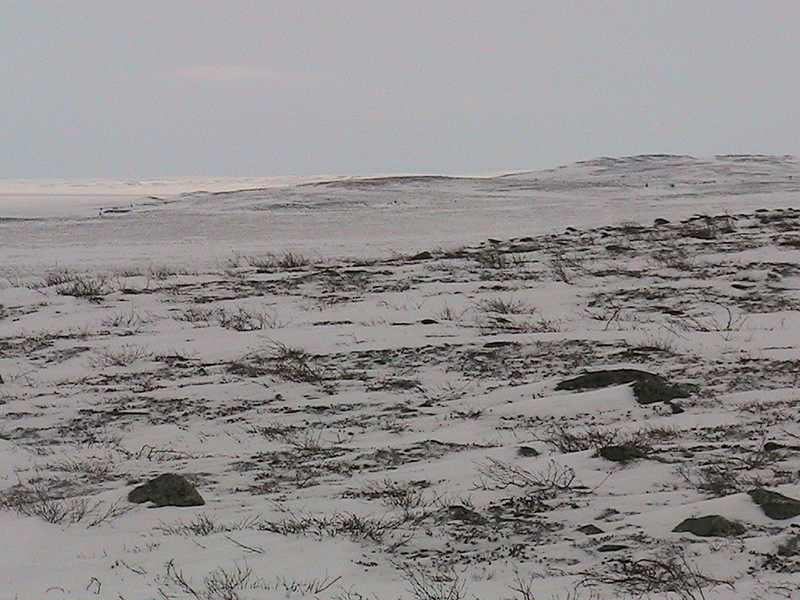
(365, 380)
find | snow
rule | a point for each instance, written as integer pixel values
(353, 412)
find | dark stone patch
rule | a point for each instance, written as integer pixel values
(499, 344)
(612, 547)
(774, 505)
(773, 446)
(710, 526)
(676, 409)
(167, 490)
(647, 387)
(790, 547)
(622, 453)
(590, 529)
(456, 512)
(527, 451)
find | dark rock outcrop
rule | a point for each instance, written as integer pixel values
(790, 547)
(622, 453)
(774, 505)
(710, 526)
(527, 451)
(590, 529)
(456, 512)
(612, 547)
(647, 387)
(167, 490)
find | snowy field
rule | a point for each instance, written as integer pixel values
(374, 385)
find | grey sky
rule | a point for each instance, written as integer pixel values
(150, 89)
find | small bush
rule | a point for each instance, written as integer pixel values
(246, 320)
(84, 287)
(720, 478)
(272, 262)
(502, 306)
(205, 525)
(440, 583)
(126, 318)
(447, 313)
(408, 498)
(38, 500)
(291, 364)
(220, 584)
(58, 277)
(493, 259)
(564, 268)
(124, 356)
(590, 437)
(196, 314)
(645, 576)
(348, 525)
(496, 474)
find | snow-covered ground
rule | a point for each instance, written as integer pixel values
(125, 223)
(367, 379)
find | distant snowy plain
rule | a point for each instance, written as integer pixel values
(200, 220)
(361, 375)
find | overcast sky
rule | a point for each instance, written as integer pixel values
(142, 89)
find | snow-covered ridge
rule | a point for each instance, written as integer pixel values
(49, 222)
(633, 171)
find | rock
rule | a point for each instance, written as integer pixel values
(622, 453)
(612, 547)
(527, 451)
(167, 490)
(456, 512)
(774, 505)
(647, 387)
(422, 256)
(429, 321)
(675, 408)
(769, 446)
(499, 344)
(790, 547)
(590, 529)
(660, 221)
(710, 526)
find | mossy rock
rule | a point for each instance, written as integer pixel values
(167, 490)
(527, 451)
(774, 505)
(622, 453)
(648, 388)
(710, 526)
